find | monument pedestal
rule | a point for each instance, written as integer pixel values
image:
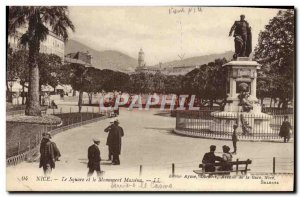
(241, 73)
(224, 121)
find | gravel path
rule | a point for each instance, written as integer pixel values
(149, 141)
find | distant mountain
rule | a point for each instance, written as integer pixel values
(107, 59)
(198, 60)
(115, 60)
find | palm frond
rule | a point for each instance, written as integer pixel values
(58, 19)
(15, 19)
(41, 31)
(25, 39)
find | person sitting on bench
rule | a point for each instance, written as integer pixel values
(209, 159)
(227, 157)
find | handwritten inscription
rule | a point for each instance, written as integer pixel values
(185, 10)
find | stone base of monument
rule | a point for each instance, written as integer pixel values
(257, 123)
(241, 97)
(233, 106)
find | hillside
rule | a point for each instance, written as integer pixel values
(115, 60)
(198, 60)
(107, 59)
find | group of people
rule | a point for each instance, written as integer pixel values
(114, 143)
(209, 159)
(49, 152)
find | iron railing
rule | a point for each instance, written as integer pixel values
(32, 148)
(252, 126)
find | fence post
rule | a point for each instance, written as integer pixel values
(29, 153)
(36, 140)
(53, 111)
(274, 165)
(141, 170)
(237, 166)
(173, 169)
(19, 146)
(60, 110)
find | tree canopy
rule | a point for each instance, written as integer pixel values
(38, 21)
(276, 52)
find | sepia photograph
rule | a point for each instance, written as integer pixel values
(150, 99)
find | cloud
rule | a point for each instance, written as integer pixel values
(163, 35)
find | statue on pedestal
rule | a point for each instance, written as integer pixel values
(242, 38)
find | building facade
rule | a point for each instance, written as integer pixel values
(170, 70)
(52, 45)
(83, 58)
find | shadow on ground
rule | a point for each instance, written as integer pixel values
(167, 131)
(164, 114)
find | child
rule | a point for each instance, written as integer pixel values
(234, 138)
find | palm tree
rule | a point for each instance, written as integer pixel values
(40, 21)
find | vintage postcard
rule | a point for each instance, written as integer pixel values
(156, 99)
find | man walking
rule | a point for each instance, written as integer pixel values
(116, 141)
(109, 139)
(285, 130)
(94, 158)
(49, 154)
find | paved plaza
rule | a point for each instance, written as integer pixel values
(150, 142)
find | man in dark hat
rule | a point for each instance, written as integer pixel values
(242, 33)
(49, 154)
(209, 159)
(109, 139)
(285, 129)
(115, 143)
(94, 158)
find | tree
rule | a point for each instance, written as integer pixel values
(17, 68)
(208, 82)
(275, 51)
(40, 20)
(173, 84)
(78, 79)
(215, 88)
(158, 82)
(90, 83)
(11, 72)
(49, 66)
(139, 83)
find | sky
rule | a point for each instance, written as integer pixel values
(164, 33)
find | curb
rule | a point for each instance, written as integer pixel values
(226, 138)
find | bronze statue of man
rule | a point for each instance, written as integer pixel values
(242, 37)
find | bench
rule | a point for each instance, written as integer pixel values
(237, 166)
